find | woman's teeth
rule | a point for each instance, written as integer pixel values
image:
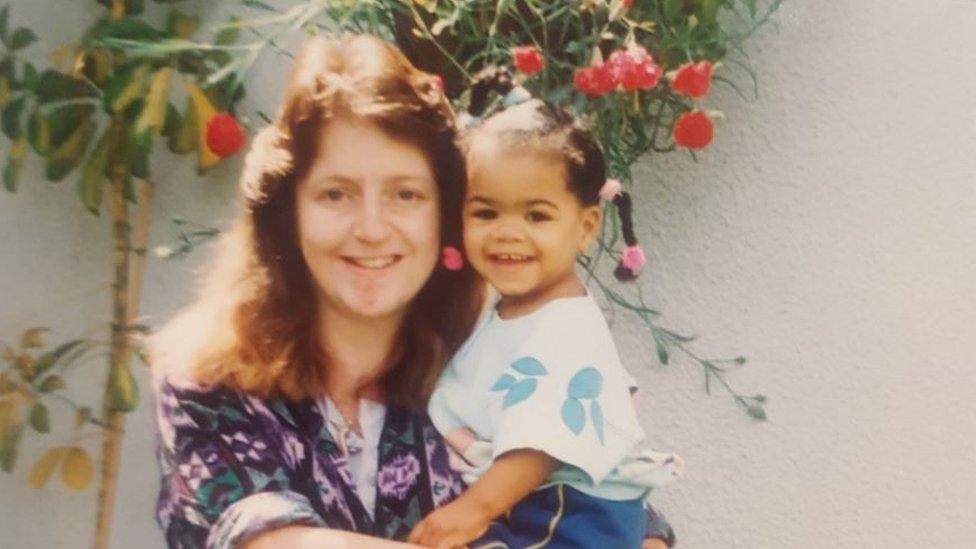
(373, 262)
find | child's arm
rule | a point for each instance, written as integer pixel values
(510, 478)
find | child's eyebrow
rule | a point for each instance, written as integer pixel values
(481, 199)
(542, 201)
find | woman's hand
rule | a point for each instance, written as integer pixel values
(452, 526)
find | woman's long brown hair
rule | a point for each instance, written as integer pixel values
(252, 327)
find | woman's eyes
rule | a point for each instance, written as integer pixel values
(409, 195)
(333, 195)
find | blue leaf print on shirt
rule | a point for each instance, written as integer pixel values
(503, 382)
(573, 415)
(519, 392)
(587, 383)
(596, 416)
(529, 366)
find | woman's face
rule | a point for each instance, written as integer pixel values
(368, 221)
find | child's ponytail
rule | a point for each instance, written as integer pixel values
(632, 259)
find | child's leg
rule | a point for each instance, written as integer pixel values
(562, 517)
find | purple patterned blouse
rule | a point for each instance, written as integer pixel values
(235, 465)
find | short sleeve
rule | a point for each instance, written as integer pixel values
(567, 394)
(224, 478)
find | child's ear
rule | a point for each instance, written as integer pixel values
(590, 221)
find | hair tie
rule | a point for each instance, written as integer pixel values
(452, 259)
(610, 189)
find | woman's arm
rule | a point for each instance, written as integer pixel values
(307, 537)
(512, 477)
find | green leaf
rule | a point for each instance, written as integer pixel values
(22, 38)
(126, 29)
(172, 123)
(10, 447)
(125, 392)
(185, 139)
(11, 116)
(53, 85)
(140, 145)
(181, 25)
(51, 383)
(40, 419)
(759, 398)
(662, 351)
(757, 412)
(125, 86)
(67, 156)
(93, 176)
(47, 361)
(228, 35)
(4, 23)
(30, 77)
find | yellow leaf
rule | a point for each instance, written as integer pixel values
(42, 470)
(33, 337)
(72, 147)
(9, 414)
(203, 109)
(132, 90)
(64, 57)
(154, 112)
(4, 91)
(77, 470)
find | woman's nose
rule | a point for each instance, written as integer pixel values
(372, 224)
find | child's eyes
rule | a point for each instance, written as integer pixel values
(537, 217)
(484, 213)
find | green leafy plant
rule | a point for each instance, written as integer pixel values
(96, 115)
(638, 71)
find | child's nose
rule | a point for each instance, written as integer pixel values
(507, 232)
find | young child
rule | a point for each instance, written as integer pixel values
(536, 402)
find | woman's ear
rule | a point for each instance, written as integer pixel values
(590, 220)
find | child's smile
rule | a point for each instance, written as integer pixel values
(523, 228)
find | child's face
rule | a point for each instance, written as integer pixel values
(522, 225)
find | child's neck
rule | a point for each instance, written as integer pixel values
(514, 306)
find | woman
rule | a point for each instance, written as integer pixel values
(291, 394)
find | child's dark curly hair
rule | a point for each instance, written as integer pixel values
(544, 129)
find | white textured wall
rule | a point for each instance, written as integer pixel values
(827, 234)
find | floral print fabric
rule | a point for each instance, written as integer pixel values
(235, 465)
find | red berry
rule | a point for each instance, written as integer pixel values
(633, 68)
(224, 135)
(595, 81)
(693, 130)
(693, 79)
(527, 59)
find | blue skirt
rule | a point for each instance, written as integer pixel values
(560, 517)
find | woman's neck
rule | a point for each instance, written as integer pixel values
(358, 351)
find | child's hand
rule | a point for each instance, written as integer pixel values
(451, 526)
